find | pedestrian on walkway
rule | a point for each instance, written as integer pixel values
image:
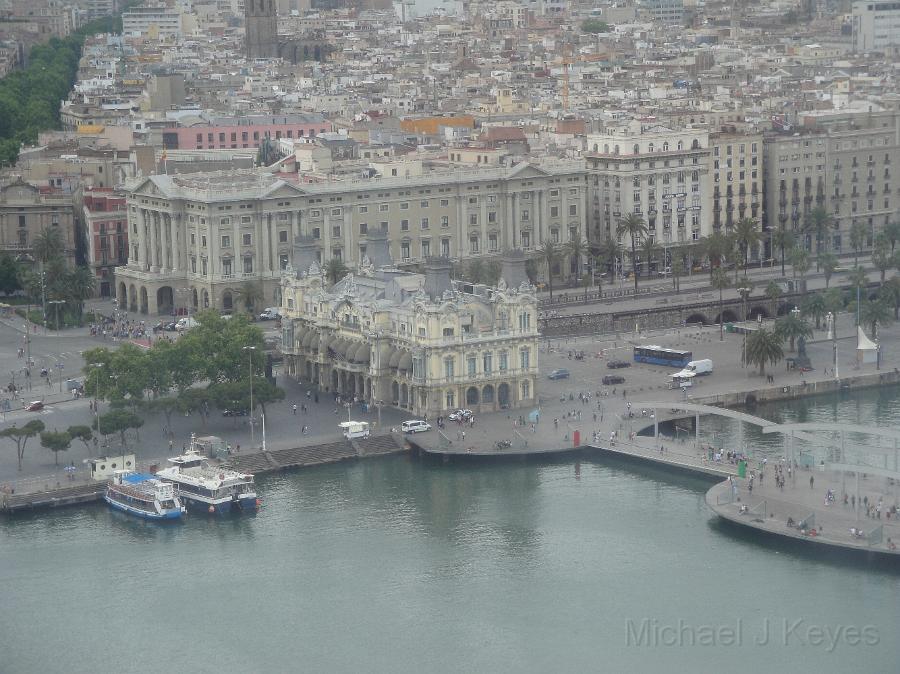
(294, 409)
(812, 479)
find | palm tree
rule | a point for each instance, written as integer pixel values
(550, 253)
(577, 248)
(800, 264)
(747, 235)
(783, 239)
(892, 232)
(648, 251)
(80, 283)
(716, 246)
(829, 263)
(634, 226)
(858, 278)
(881, 256)
(720, 282)
(607, 253)
(677, 271)
(813, 305)
(818, 222)
(834, 300)
(335, 270)
(763, 346)
(791, 326)
(475, 270)
(874, 313)
(773, 292)
(858, 233)
(251, 292)
(890, 293)
(48, 245)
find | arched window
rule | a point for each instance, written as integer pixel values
(616, 150)
(696, 144)
(665, 147)
(651, 147)
(637, 149)
(606, 148)
(596, 147)
(680, 145)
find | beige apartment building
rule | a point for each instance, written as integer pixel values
(198, 239)
(656, 172)
(420, 342)
(737, 170)
(26, 211)
(842, 161)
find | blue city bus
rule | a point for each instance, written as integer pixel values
(660, 356)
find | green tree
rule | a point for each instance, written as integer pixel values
(881, 257)
(874, 313)
(858, 234)
(747, 235)
(168, 405)
(56, 442)
(48, 245)
(720, 282)
(335, 270)
(549, 254)
(83, 433)
(800, 264)
(80, 288)
(594, 26)
(475, 270)
(818, 222)
(119, 421)
(648, 252)
(492, 272)
(20, 435)
(813, 305)
(632, 225)
(890, 294)
(783, 239)
(858, 278)
(576, 248)
(9, 274)
(196, 400)
(677, 272)
(763, 346)
(829, 263)
(773, 292)
(892, 232)
(834, 300)
(791, 326)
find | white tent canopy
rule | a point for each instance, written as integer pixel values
(866, 349)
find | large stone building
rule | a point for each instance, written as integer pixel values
(841, 161)
(653, 171)
(422, 343)
(26, 211)
(261, 39)
(876, 25)
(737, 172)
(211, 234)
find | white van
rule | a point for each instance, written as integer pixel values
(186, 323)
(696, 367)
(354, 429)
(415, 426)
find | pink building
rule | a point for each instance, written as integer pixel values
(220, 133)
(106, 222)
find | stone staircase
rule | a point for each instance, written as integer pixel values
(257, 462)
(379, 445)
(313, 454)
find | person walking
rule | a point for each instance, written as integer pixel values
(294, 409)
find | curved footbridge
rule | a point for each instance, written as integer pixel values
(840, 458)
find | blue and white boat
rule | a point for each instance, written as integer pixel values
(143, 496)
(207, 488)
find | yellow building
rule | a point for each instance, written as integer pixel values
(420, 342)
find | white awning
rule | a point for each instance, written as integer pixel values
(863, 342)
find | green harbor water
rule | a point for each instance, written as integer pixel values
(399, 565)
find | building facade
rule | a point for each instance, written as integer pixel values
(212, 234)
(160, 23)
(737, 185)
(26, 211)
(105, 219)
(876, 25)
(244, 132)
(655, 172)
(422, 343)
(844, 162)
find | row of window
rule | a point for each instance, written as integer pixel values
(289, 133)
(487, 363)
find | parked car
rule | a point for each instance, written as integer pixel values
(561, 373)
(35, 406)
(461, 415)
(269, 314)
(234, 413)
(613, 379)
(616, 364)
(415, 426)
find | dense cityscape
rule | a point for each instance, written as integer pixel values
(425, 300)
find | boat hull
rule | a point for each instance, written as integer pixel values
(244, 505)
(143, 514)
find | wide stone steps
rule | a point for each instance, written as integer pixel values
(379, 445)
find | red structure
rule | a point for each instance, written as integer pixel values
(106, 228)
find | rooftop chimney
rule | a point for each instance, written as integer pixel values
(437, 276)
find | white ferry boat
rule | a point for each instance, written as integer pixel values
(207, 488)
(143, 496)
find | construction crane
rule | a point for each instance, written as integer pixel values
(568, 60)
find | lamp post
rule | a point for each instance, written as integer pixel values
(250, 350)
(96, 367)
(831, 323)
(745, 293)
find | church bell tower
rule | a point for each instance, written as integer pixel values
(260, 29)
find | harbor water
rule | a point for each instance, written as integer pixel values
(404, 565)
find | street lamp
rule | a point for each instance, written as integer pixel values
(831, 323)
(745, 293)
(250, 350)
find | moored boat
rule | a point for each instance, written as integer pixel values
(207, 488)
(143, 496)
